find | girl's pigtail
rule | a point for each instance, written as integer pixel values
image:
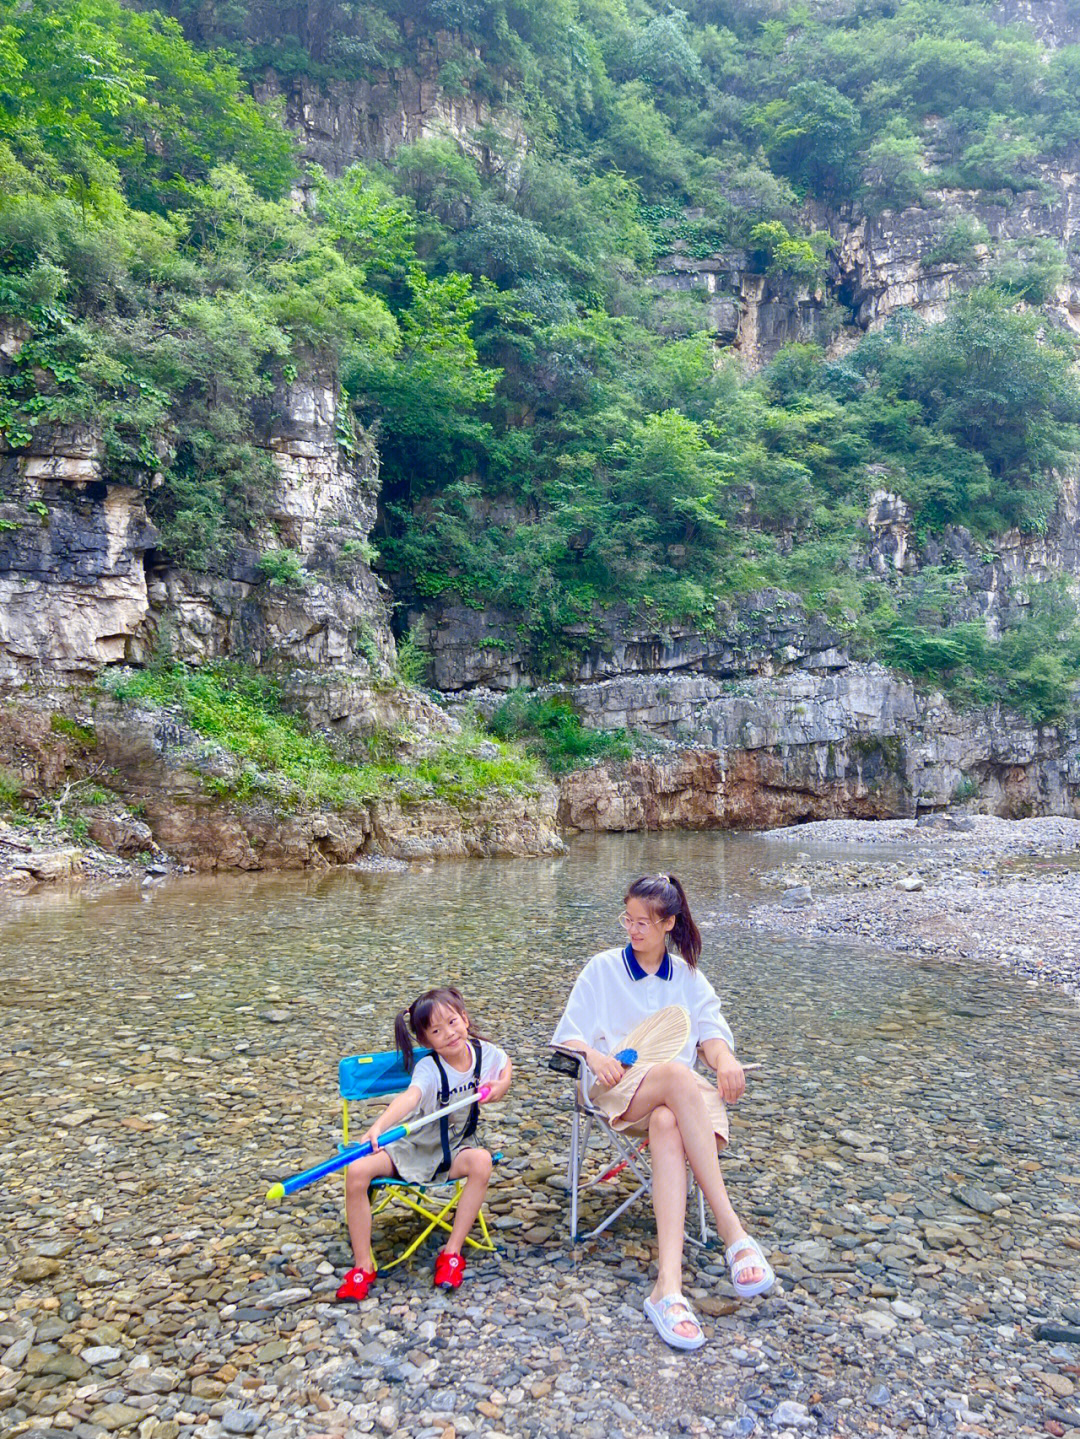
(685, 935)
(403, 1040)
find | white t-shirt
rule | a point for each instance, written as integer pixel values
(418, 1156)
(613, 994)
(426, 1077)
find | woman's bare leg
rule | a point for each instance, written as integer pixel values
(669, 1206)
(674, 1085)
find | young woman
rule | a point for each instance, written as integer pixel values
(683, 1114)
(460, 1062)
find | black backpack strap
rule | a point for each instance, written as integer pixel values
(474, 1110)
(444, 1122)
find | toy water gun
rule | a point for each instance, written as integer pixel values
(361, 1151)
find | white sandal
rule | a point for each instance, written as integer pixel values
(665, 1314)
(743, 1255)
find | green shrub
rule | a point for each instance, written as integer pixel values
(282, 570)
(10, 789)
(551, 729)
(1032, 272)
(282, 761)
(413, 661)
(82, 734)
(958, 243)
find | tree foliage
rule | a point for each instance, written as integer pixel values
(557, 433)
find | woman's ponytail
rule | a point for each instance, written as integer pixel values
(666, 897)
(686, 937)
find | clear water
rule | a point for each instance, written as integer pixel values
(957, 1073)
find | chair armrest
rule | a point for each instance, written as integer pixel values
(568, 1061)
(571, 1062)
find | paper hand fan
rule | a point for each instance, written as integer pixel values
(658, 1039)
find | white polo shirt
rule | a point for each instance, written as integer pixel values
(613, 994)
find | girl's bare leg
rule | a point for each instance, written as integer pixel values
(358, 1206)
(669, 1206)
(474, 1166)
(674, 1085)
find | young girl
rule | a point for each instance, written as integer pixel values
(683, 1114)
(459, 1063)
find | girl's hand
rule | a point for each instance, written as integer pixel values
(606, 1067)
(498, 1087)
(373, 1139)
(730, 1079)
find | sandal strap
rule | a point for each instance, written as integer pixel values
(744, 1254)
(673, 1302)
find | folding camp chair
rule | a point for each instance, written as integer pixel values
(627, 1149)
(380, 1076)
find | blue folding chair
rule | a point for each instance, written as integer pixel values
(380, 1076)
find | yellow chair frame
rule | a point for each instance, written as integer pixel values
(443, 1196)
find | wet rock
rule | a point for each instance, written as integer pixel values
(797, 897)
(51, 865)
(789, 1411)
(976, 1198)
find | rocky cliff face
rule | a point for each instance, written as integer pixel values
(1055, 22)
(83, 585)
(772, 721)
(882, 264)
(342, 121)
(998, 579)
(893, 261)
(73, 592)
(762, 633)
(768, 632)
(322, 509)
(811, 746)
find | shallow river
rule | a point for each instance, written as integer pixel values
(170, 1050)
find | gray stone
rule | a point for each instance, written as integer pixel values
(240, 1421)
(96, 1354)
(976, 1198)
(789, 1411)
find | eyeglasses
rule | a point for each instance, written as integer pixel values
(631, 924)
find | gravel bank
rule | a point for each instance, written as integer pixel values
(974, 888)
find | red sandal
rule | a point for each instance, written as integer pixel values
(449, 1269)
(356, 1284)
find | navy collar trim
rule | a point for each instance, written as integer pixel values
(635, 971)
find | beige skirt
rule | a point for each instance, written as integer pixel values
(657, 1040)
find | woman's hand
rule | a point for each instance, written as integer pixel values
(606, 1067)
(371, 1138)
(730, 1079)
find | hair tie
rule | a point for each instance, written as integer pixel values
(664, 877)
